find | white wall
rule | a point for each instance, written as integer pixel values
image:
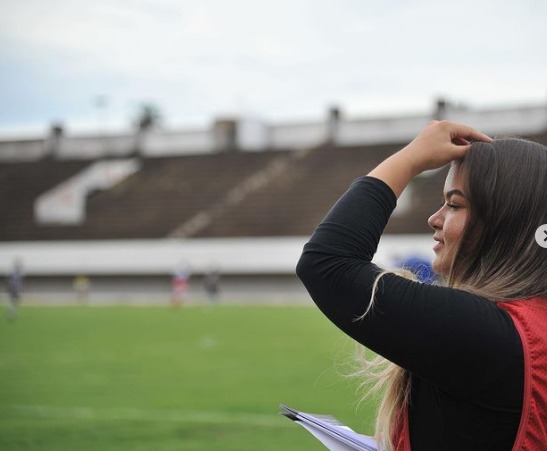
(163, 256)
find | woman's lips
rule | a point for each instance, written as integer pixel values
(438, 245)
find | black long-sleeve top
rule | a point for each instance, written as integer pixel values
(463, 351)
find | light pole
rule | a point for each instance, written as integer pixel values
(101, 103)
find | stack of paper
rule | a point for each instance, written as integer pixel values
(329, 431)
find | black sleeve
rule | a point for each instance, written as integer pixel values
(450, 337)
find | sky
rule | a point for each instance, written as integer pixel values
(91, 64)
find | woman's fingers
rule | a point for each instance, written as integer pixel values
(460, 142)
(441, 142)
(465, 132)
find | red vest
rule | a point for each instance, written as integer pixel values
(530, 319)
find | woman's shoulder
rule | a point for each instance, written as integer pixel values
(529, 315)
(535, 306)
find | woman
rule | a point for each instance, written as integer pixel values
(469, 367)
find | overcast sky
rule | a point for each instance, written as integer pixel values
(282, 60)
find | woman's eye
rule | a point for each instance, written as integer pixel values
(453, 206)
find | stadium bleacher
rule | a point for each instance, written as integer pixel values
(169, 191)
(148, 204)
(21, 183)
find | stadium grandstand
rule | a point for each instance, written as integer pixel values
(242, 197)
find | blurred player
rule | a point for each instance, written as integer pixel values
(81, 285)
(211, 284)
(14, 287)
(179, 285)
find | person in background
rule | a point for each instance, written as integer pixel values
(211, 284)
(462, 364)
(180, 284)
(81, 285)
(14, 288)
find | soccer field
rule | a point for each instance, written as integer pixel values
(129, 378)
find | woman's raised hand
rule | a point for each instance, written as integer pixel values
(439, 143)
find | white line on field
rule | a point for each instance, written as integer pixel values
(178, 416)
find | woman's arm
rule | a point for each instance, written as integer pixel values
(436, 332)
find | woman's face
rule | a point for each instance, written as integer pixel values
(449, 221)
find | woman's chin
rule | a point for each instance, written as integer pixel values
(438, 267)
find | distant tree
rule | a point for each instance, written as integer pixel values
(147, 118)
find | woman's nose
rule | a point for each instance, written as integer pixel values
(435, 221)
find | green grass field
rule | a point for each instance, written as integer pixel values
(129, 378)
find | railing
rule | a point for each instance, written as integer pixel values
(90, 147)
(24, 150)
(289, 136)
(177, 142)
(255, 135)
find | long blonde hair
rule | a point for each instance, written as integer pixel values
(506, 184)
(380, 378)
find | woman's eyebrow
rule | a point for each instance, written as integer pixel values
(454, 192)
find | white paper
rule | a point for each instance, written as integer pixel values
(331, 443)
(327, 429)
